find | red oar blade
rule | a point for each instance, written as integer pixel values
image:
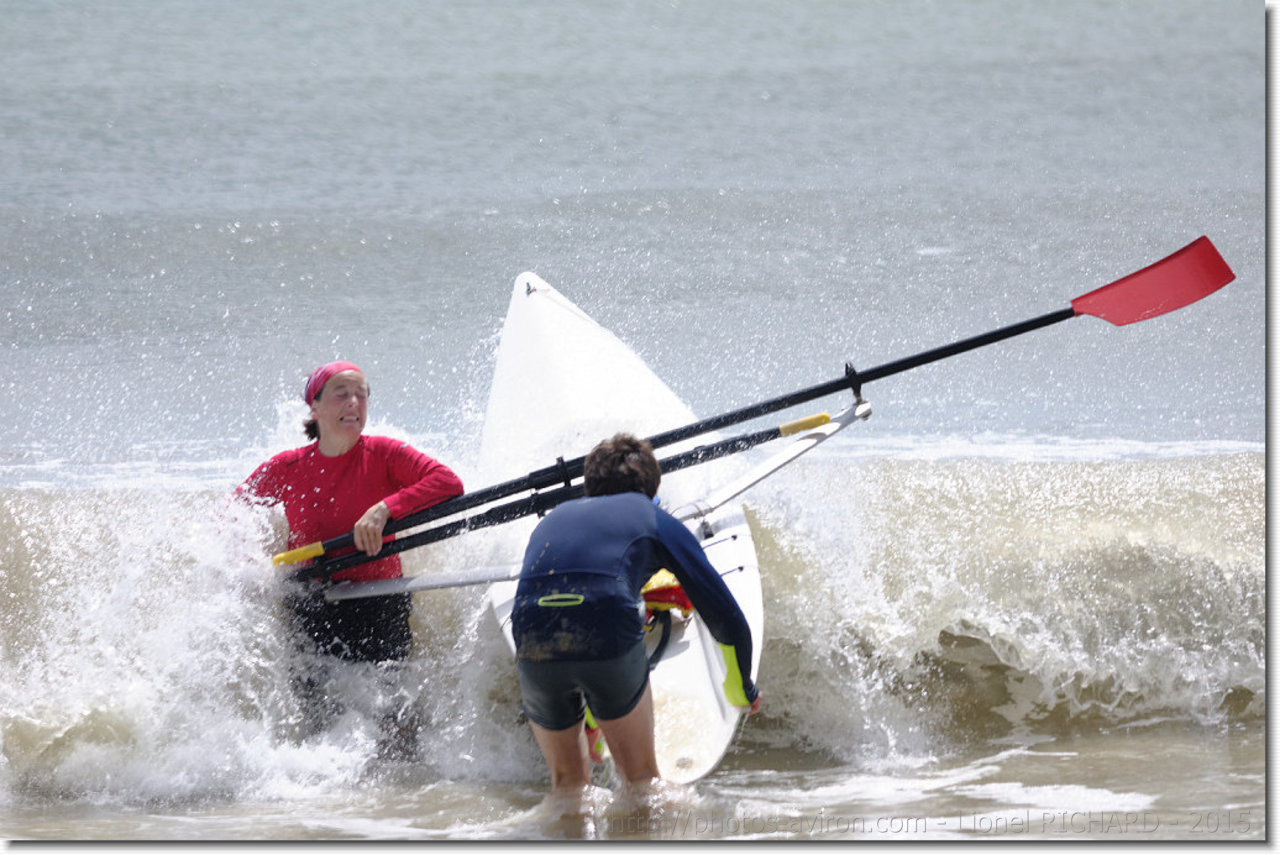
(1195, 271)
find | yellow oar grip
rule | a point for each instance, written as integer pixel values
(808, 423)
(302, 553)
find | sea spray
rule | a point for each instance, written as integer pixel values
(148, 644)
(991, 597)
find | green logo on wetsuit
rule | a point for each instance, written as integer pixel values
(556, 600)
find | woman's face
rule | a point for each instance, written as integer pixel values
(342, 408)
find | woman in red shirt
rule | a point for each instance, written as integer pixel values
(344, 482)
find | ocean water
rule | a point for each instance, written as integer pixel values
(1025, 600)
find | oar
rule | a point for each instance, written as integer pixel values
(562, 473)
(540, 503)
(1191, 273)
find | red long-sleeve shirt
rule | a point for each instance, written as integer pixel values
(323, 497)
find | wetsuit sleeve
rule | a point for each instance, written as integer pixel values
(425, 481)
(714, 603)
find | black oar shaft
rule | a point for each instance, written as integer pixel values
(561, 473)
(764, 408)
(967, 344)
(538, 503)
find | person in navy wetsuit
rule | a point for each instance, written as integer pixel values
(577, 617)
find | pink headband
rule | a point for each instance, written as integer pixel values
(323, 375)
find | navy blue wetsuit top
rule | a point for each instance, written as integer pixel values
(579, 592)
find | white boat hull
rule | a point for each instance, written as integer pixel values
(562, 384)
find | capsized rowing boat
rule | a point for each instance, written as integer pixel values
(561, 382)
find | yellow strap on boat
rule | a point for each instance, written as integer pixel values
(595, 739)
(734, 691)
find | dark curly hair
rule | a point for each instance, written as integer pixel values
(621, 464)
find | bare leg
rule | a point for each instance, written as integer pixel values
(566, 754)
(630, 740)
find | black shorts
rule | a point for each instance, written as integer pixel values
(555, 693)
(371, 629)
